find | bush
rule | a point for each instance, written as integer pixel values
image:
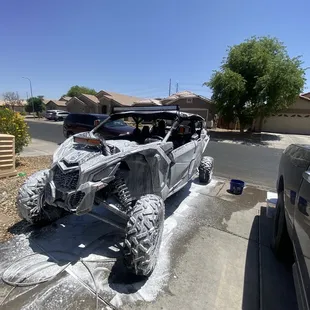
(13, 123)
(23, 113)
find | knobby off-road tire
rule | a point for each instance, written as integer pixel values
(206, 169)
(30, 201)
(281, 242)
(143, 235)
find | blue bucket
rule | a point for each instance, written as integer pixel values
(236, 187)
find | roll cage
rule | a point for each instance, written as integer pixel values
(171, 114)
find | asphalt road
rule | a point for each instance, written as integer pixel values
(253, 164)
(47, 131)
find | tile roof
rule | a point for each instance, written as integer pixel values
(45, 101)
(91, 97)
(60, 103)
(73, 99)
(17, 104)
(120, 98)
(305, 96)
(66, 98)
(148, 102)
(183, 94)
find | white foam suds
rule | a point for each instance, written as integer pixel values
(75, 237)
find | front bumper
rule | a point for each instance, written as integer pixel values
(78, 201)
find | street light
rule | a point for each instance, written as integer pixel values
(30, 92)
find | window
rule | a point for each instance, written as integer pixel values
(116, 123)
(86, 119)
(189, 100)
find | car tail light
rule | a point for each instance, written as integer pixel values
(96, 122)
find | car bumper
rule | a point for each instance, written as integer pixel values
(79, 201)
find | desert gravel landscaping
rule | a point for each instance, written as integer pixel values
(8, 192)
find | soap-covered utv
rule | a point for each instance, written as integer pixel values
(131, 175)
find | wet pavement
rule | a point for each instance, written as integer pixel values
(215, 254)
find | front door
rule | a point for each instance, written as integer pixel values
(182, 158)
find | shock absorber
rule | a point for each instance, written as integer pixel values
(122, 193)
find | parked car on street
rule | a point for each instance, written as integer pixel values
(130, 175)
(76, 123)
(291, 235)
(49, 114)
(59, 115)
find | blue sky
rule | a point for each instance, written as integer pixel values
(134, 47)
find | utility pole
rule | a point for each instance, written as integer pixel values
(177, 88)
(30, 92)
(169, 87)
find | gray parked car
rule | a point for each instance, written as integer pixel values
(49, 113)
(292, 219)
(130, 175)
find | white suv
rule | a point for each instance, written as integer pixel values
(59, 115)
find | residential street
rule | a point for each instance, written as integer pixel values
(253, 164)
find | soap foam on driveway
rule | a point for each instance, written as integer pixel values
(81, 257)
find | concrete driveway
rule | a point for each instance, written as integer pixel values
(215, 254)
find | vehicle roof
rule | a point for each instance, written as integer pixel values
(147, 115)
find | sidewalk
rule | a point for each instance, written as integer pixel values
(38, 148)
(267, 139)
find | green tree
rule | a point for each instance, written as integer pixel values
(256, 79)
(35, 104)
(76, 90)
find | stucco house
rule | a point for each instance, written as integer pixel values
(188, 102)
(102, 103)
(18, 106)
(83, 104)
(294, 120)
(108, 100)
(192, 103)
(56, 105)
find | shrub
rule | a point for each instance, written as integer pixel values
(13, 123)
(23, 113)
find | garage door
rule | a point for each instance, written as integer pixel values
(288, 123)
